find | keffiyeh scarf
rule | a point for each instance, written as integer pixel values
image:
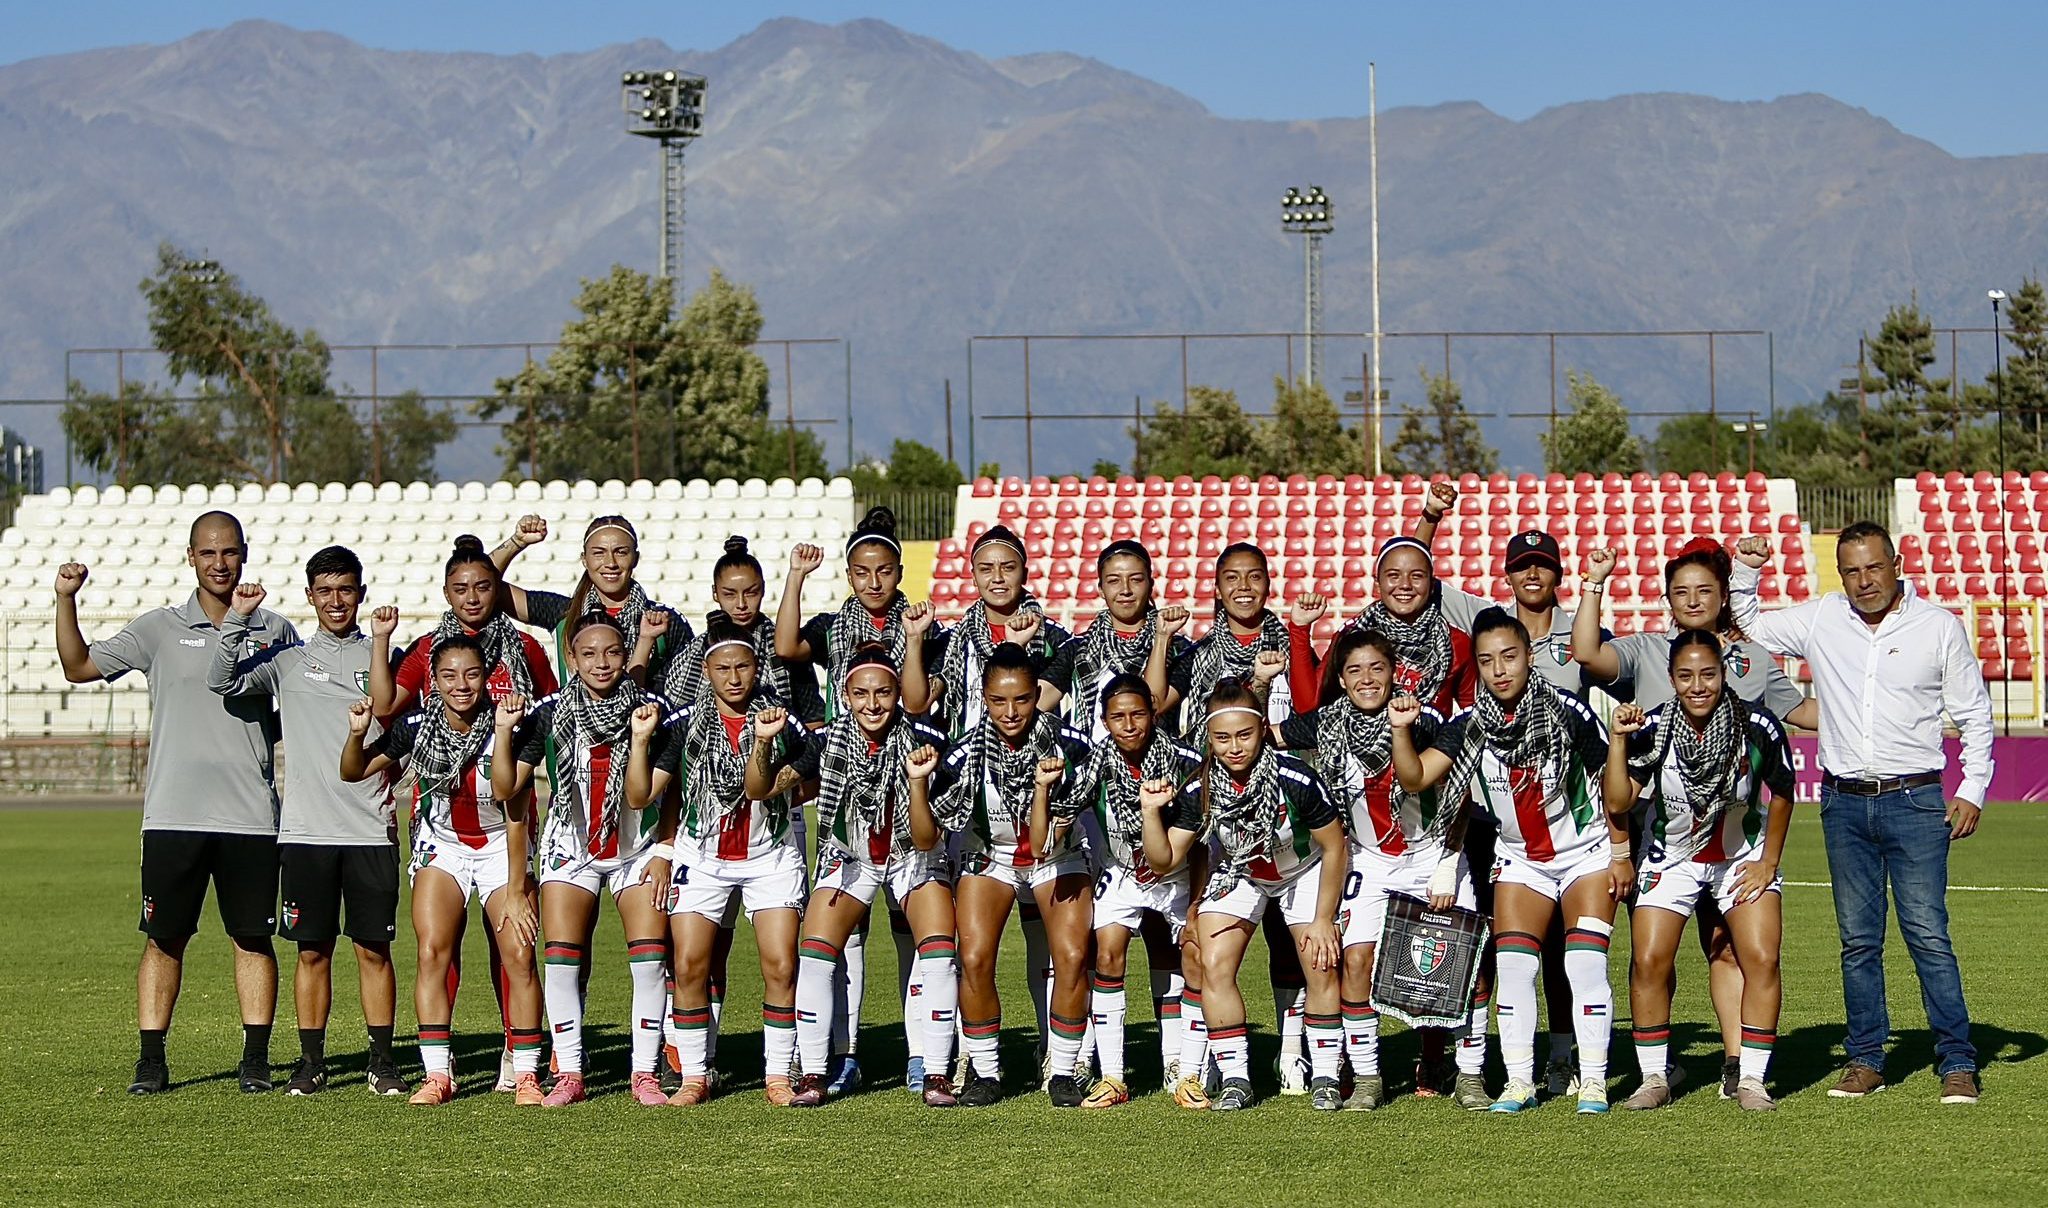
(853, 627)
(1709, 761)
(1240, 818)
(1422, 643)
(502, 645)
(1101, 653)
(1538, 737)
(967, 649)
(683, 683)
(584, 722)
(1109, 774)
(860, 786)
(1220, 656)
(1013, 770)
(440, 752)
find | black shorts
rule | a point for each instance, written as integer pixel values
(176, 866)
(318, 882)
(1481, 834)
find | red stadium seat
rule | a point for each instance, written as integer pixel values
(1624, 625)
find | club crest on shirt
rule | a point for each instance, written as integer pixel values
(291, 914)
(148, 908)
(1427, 953)
(1737, 660)
(363, 681)
(1561, 653)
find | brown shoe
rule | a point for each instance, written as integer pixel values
(1959, 1087)
(1857, 1081)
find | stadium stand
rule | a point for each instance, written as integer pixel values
(132, 541)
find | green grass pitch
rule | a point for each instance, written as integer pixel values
(68, 902)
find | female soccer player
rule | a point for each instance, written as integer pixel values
(1716, 774)
(1131, 636)
(464, 840)
(739, 834)
(1528, 755)
(873, 611)
(1696, 589)
(1001, 789)
(611, 555)
(859, 765)
(607, 829)
(1400, 843)
(1145, 868)
(514, 665)
(1278, 841)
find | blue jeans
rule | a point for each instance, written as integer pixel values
(1902, 836)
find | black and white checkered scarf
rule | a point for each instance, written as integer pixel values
(1422, 643)
(584, 722)
(1101, 654)
(1240, 818)
(1709, 761)
(863, 785)
(1013, 770)
(503, 647)
(853, 626)
(1108, 778)
(1538, 736)
(717, 778)
(1220, 655)
(441, 754)
(682, 681)
(1358, 747)
(967, 649)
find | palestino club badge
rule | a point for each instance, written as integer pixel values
(291, 914)
(1650, 880)
(148, 908)
(1563, 654)
(363, 682)
(1427, 952)
(1737, 660)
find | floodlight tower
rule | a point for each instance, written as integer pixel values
(667, 106)
(1308, 215)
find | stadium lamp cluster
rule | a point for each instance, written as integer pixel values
(662, 104)
(1306, 211)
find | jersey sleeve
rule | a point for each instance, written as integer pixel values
(1311, 800)
(1180, 668)
(1059, 670)
(668, 753)
(1643, 741)
(530, 740)
(1302, 731)
(1187, 807)
(1449, 736)
(817, 634)
(545, 609)
(1774, 750)
(396, 742)
(411, 676)
(947, 774)
(1423, 732)
(806, 749)
(131, 649)
(1781, 695)
(1589, 737)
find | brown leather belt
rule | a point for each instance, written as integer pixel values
(1873, 788)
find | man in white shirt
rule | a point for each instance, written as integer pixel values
(1886, 663)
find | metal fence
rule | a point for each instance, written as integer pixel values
(920, 515)
(1831, 509)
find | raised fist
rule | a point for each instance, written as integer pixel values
(1050, 769)
(921, 762)
(1156, 794)
(248, 598)
(1309, 608)
(1753, 552)
(359, 717)
(1627, 719)
(71, 577)
(769, 722)
(531, 530)
(1599, 564)
(511, 711)
(1443, 496)
(645, 719)
(918, 618)
(384, 621)
(1171, 620)
(1268, 664)
(653, 624)
(1403, 710)
(1025, 625)
(805, 558)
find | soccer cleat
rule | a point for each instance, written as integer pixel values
(1655, 1092)
(310, 1078)
(1191, 1094)
(1751, 1096)
(508, 1077)
(1958, 1087)
(1857, 1081)
(778, 1090)
(435, 1091)
(1171, 1075)
(938, 1091)
(1470, 1093)
(1592, 1098)
(151, 1078)
(913, 1074)
(645, 1088)
(982, 1092)
(1236, 1096)
(809, 1091)
(1107, 1092)
(1367, 1094)
(845, 1076)
(694, 1090)
(711, 1080)
(1731, 1073)
(1516, 1096)
(670, 1071)
(526, 1090)
(1431, 1077)
(568, 1089)
(1561, 1077)
(1292, 1070)
(1064, 1090)
(384, 1077)
(1324, 1096)
(255, 1076)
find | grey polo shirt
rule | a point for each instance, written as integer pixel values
(1551, 652)
(1751, 671)
(209, 756)
(314, 681)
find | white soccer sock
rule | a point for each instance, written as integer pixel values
(1585, 967)
(978, 1037)
(647, 960)
(1109, 1008)
(1166, 1007)
(938, 985)
(1517, 958)
(1653, 1049)
(1755, 1058)
(1038, 973)
(1362, 1038)
(1194, 1034)
(1472, 1037)
(693, 1035)
(1325, 1035)
(778, 1039)
(563, 994)
(850, 988)
(1290, 1008)
(1233, 1055)
(436, 1048)
(817, 979)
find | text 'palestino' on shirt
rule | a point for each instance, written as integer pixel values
(314, 681)
(837, 828)
(1733, 828)
(1127, 848)
(578, 783)
(1537, 825)
(1377, 815)
(750, 828)
(463, 811)
(210, 756)
(1301, 806)
(992, 831)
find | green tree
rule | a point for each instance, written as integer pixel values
(912, 466)
(1440, 437)
(1212, 436)
(1306, 434)
(989, 469)
(1919, 422)
(145, 436)
(1105, 468)
(781, 451)
(406, 435)
(724, 389)
(2026, 363)
(1595, 437)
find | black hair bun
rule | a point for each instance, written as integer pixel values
(469, 544)
(735, 544)
(879, 520)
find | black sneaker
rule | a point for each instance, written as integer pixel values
(1236, 1096)
(308, 1079)
(671, 1080)
(1731, 1073)
(385, 1078)
(981, 1092)
(151, 1078)
(255, 1074)
(1324, 1095)
(1065, 1091)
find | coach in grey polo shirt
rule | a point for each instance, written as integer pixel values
(209, 810)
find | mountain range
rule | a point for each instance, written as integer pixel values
(882, 188)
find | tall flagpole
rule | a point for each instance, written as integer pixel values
(1373, 143)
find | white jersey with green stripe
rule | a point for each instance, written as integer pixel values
(1538, 825)
(1729, 830)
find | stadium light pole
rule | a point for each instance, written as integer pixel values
(1997, 297)
(668, 107)
(1307, 213)
(1372, 139)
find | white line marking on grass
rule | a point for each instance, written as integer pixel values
(1954, 888)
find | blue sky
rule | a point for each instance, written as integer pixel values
(1965, 74)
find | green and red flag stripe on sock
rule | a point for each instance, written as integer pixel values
(562, 954)
(1653, 1033)
(525, 1038)
(818, 950)
(639, 951)
(692, 1018)
(1357, 1010)
(1069, 1025)
(1758, 1038)
(435, 1033)
(936, 948)
(982, 1027)
(777, 1017)
(1579, 939)
(1233, 1032)
(1106, 983)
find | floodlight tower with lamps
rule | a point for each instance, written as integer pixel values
(1307, 213)
(667, 106)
